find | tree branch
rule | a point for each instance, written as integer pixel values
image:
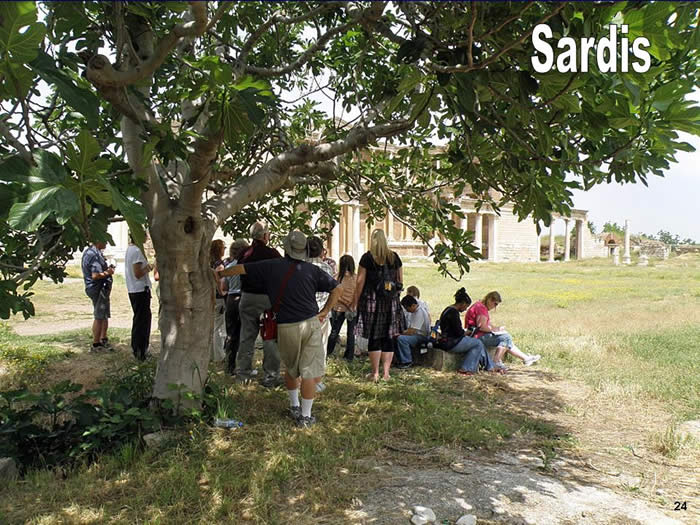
(101, 73)
(25, 153)
(470, 42)
(461, 68)
(371, 13)
(277, 18)
(200, 161)
(273, 174)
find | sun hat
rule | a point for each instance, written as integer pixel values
(295, 245)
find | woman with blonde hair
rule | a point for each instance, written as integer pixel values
(478, 321)
(379, 317)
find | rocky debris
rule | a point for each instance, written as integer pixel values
(422, 515)
(509, 490)
(467, 519)
(8, 469)
(156, 439)
(690, 429)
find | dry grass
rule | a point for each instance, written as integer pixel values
(620, 370)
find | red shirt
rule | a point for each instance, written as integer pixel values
(475, 310)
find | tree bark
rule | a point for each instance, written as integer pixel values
(186, 319)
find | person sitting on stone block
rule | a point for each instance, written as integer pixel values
(416, 334)
(453, 338)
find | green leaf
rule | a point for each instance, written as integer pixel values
(52, 200)
(79, 98)
(20, 34)
(262, 86)
(82, 161)
(411, 80)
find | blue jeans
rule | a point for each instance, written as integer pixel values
(475, 354)
(502, 340)
(337, 320)
(404, 344)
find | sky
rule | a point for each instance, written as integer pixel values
(670, 203)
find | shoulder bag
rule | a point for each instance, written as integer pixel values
(268, 326)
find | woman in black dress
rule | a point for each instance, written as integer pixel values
(379, 317)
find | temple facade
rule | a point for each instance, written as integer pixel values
(499, 237)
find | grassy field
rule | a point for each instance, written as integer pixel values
(630, 336)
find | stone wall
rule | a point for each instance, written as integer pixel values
(593, 246)
(516, 241)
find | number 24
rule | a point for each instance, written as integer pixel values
(677, 505)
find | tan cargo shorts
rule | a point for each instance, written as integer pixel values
(301, 348)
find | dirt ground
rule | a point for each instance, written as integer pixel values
(609, 475)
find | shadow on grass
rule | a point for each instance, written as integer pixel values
(271, 472)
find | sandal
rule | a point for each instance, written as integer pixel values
(372, 377)
(466, 372)
(501, 371)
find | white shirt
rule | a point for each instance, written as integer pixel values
(420, 321)
(134, 256)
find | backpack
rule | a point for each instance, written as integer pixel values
(386, 286)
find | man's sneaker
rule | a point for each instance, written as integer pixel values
(404, 366)
(500, 366)
(320, 387)
(107, 346)
(271, 382)
(531, 359)
(294, 412)
(253, 372)
(306, 422)
(97, 348)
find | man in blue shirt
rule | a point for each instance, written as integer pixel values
(291, 284)
(97, 275)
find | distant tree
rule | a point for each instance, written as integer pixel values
(592, 227)
(670, 239)
(613, 227)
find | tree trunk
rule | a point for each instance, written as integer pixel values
(186, 317)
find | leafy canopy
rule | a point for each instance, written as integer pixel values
(224, 98)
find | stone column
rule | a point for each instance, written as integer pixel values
(356, 245)
(551, 242)
(345, 226)
(580, 225)
(493, 237)
(478, 232)
(616, 256)
(389, 226)
(567, 241)
(626, 258)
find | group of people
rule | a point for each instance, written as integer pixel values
(98, 278)
(302, 300)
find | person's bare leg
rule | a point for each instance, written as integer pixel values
(308, 388)
(308, 391)
(500, 353)
(374, 358)
(517, 353)
(386, 363)
(292, 383)
(96, 330)
(105, 325)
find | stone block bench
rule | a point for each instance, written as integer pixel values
(439, 359)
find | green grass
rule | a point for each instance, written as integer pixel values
(632, 334)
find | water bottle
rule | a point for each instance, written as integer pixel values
(227, 423)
